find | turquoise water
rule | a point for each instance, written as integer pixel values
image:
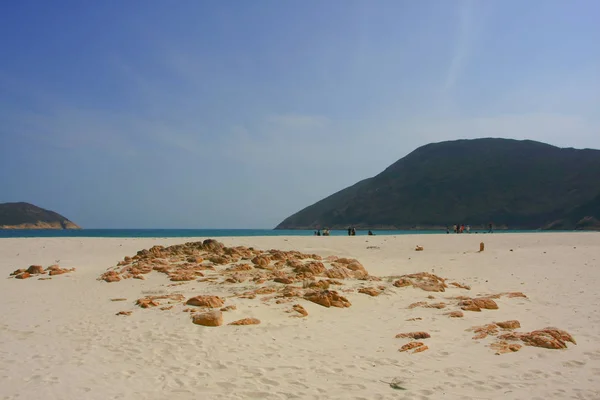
(146, 233)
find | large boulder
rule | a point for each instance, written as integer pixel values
(211, 318)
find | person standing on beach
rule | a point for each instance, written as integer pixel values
(491, 230)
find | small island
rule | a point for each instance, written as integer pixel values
(27, 216)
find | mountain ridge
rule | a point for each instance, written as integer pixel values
(518, 184)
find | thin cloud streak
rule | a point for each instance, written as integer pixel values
(463, 44)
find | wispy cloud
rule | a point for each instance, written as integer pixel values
(462, 46)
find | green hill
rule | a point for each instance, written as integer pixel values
(514, 184)
(28, 216)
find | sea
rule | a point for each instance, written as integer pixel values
(207, 233)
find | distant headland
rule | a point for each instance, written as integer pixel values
(27, 216)
(511, 183)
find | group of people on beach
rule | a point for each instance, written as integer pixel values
(351, 232)
(461, 228)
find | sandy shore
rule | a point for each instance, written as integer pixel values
(61, 339)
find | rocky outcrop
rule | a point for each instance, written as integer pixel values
(549, 338)
(36, 270)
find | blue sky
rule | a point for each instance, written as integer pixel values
(203, 114)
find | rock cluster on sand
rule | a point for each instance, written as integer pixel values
(276, 277)
(549, 338)
(35, 270)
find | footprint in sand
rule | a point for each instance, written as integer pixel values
(269, 382)
(574, 364)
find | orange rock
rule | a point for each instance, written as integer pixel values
(507, 294)
(23, 275)
(418, 304)
(426, 281)
(142, 277)
(455, 314)
(246, 321)
(211, 318)
(184, 276)
(299, 309)
(370, 291)
(512, 324)
(240, 267)
(484, 330)
(265, 290)
(231, 307)
(36, 269)
(236, 278)
(261, 261)
(402, 283)
(284, 280)
(478, 303)
(549, 338)
(481, 247)
(124, 313)
(410, 346)
(152, 301)
(313, 268)
(290, 291)
(221, 260)
(414, 335)
(205, 301)
(320, 284)
(459, 285)
(424, 304)
(419, 248)
(327, 298)
(503, 347)
(346, 261)
(166, 308)
(420, 349)
(18, 271)
(293, 263)
(111, 276)
(338, 273)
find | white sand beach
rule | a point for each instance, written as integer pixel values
(60, 338)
